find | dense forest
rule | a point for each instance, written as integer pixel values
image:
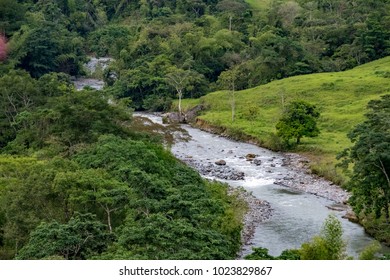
(78, 180)
(202, 41)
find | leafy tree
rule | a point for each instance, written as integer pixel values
(370, 156)
(232, 9)
(11, 16)
(80, 238)
(259, 254)
(69, 120)
(262, 254)
(63, 50)
(18, 93)
(329, 245)
(369, 253)
(299, 119)
(174, 213)
(109, 40)
(28, 196)
(159, 237)
(93, 189)
(227, 80)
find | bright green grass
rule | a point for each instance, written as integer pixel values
(258, 4)
(341, 97)
(259, 7)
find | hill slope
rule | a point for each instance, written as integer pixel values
(341, 98)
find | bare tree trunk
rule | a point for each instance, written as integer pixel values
(233, 101)
(383, 169)
(109, 220)
(179, 93)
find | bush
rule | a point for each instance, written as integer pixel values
(329, 245)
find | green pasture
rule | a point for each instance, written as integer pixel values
(341, 97)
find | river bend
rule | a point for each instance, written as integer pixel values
(296, 215)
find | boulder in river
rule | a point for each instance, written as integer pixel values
(220, 162)
(250, 157)
(172, 118)
(351, 216)
(256, 162)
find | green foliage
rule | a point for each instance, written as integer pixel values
(109, 40)
(259, 254)
(28, 196)
(18, 93)
(369, 253)
(63, 50)
(134, 189)
(327, 246)
(174, 213)
(370, 184)
(80, 238)
(151, 205)
(262, 254)
(291, 254)
(69, 120)
(299, 119)
(11, 16)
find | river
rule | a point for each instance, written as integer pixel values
(296, 217)
(91, 67)
(298, 213)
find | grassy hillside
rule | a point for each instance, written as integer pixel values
(341, 98)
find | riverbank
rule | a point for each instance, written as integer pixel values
(258, 212)
(304, 180)
(300, 177)
(276, 214)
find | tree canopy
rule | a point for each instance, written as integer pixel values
(370, 158)
(299, 119)
(147, 38)
(78, 180)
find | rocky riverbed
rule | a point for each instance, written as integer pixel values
(258, 212)
(279, 189)
(93, 66)
(301, 178)
(218, 169)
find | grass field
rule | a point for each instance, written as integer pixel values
(341, 97)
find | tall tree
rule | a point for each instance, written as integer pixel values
(178, 78)
(370, 156)
(18, 92)
(228, 80)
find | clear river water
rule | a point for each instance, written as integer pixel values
(297, 216)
